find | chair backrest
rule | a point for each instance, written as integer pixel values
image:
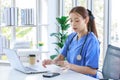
(111, 66)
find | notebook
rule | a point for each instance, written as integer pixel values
(17, 64)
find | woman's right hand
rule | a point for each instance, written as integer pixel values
(46, 62)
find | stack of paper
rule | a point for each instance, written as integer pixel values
(21, 45)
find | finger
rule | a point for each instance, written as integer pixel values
(44, 63)
(44, 66)
(63, 68)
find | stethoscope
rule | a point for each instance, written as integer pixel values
(79, 57)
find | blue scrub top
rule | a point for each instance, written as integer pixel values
(90, 52)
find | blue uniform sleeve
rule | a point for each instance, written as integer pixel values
(92, 56)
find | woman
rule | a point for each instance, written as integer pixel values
(81, 48)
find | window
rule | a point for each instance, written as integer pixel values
(82, 3)
(98, 11)
(6, 30)
(115, 23)
(30, 33)
(5, 3)
(23, 33)
(67, 6)
(19, 32)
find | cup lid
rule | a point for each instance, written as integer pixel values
(32, 55)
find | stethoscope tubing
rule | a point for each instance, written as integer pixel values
(82, 44)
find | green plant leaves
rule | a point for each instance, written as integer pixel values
(62, 23)
(59, 44)
(62, 19)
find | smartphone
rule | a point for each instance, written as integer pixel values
(50, 74)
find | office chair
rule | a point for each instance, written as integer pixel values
(111, 66)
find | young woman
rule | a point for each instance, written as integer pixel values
(81, 48)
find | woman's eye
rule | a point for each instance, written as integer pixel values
(70, 20)
(77, 21)
(74, 20)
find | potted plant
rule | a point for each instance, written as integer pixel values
(62, 24)
(40, 44)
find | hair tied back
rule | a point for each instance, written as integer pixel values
(90, 14)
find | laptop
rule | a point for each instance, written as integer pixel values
(17, 64)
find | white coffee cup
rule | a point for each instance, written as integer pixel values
(32, 59)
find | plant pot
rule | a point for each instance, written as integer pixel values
(40, 48)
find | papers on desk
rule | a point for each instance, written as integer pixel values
(54, 68)
(21, 45)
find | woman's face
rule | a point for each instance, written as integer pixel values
(77, 22)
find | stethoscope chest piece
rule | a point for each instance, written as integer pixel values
(79, 57)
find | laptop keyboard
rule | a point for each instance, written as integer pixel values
(29, 69)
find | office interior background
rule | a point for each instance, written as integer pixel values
(106, 14)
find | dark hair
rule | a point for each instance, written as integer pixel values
(84, 13)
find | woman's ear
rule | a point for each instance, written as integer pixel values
(87, 20)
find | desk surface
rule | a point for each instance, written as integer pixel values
(8, 73)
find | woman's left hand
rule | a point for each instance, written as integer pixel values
(64, 64)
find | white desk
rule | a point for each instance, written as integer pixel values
(8, 73)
